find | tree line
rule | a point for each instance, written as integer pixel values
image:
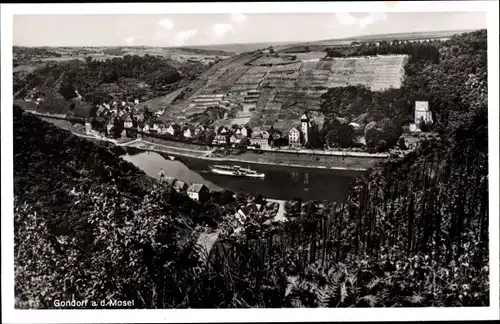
(90, 76)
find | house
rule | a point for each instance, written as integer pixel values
(140, 116)
(275, 139)
(199, 129)
(422, 112)
(276, 135)
(170, 180)
(249, 209)
(294, 138)
(163, 129)
(157, 126)
(220, 139)
(159, 112)
(235, 139)
(222, 130)
(188, 131)
(264, 134)
(101, 110)
(260, 141)
(180, 186)
(88, 125)
(173, 129)
(136, 101)
(127, 121)
(198, 192)
(124, 133)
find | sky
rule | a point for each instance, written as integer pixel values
(207, 29)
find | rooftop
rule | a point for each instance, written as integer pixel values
(179, 184)
(196, 187)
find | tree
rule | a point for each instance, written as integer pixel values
(402, 144)
(341, 134)
(245, 141)
(334, 53)
(147, 113)
(209, 136)
(424, 127)
(372, 134)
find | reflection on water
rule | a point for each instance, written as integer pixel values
(280, 182)
(151, 163)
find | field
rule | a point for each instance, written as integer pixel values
(181, 55)
(288, 89)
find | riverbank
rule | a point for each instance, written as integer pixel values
(329, 160)
(340, 161)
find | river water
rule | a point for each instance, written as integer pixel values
(280, 182)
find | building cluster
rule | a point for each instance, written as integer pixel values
(297, 136)
(301, 135)
(124, 120)
(33, 96)
(196, 191)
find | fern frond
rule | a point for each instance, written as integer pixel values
(343, 292)
(415, 299)
(371, 300)
(293, 285)
(296, 303)
(373, 283)
(323, 297)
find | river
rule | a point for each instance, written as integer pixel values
(280, 183)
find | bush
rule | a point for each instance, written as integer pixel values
(424, 127)
(381, 146)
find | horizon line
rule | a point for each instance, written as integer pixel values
(295, 42)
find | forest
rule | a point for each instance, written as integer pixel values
(440, 72)
(412, 233)
(130, 76)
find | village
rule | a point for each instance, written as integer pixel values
(268, 210)
(124, 121)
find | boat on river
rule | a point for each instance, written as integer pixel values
(236, 171)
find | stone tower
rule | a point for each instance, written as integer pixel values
(304, 127)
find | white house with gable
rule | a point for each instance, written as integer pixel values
(422, 112)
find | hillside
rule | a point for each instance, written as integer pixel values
(265, 90)
(79, 204)
(73, 87)
(273, 89)
(413, 233)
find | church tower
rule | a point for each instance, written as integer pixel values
(304, 122)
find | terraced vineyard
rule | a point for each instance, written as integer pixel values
(270, 90)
